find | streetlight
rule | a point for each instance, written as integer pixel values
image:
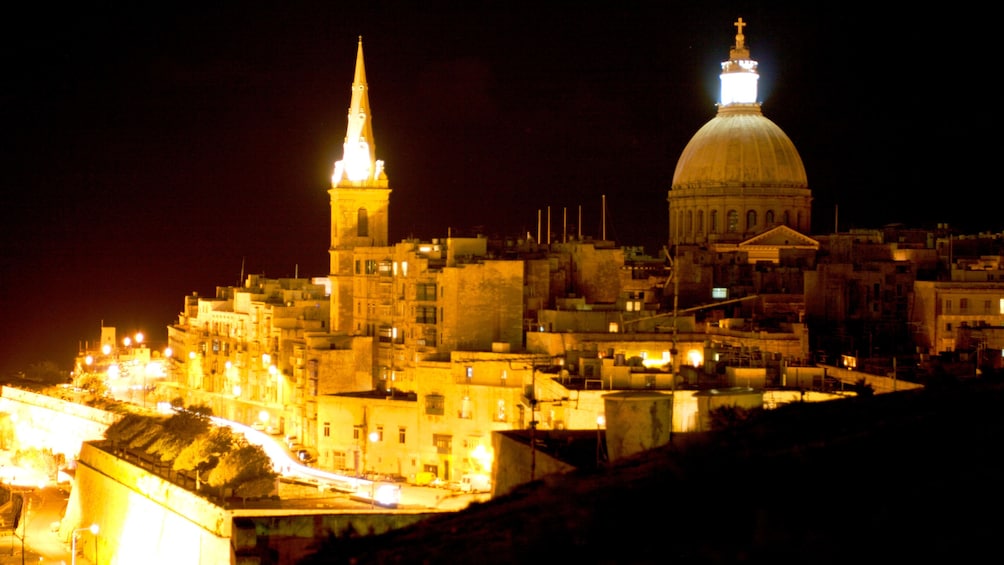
(93, 528)
(601, 421)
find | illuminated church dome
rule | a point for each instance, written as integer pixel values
(740, 174)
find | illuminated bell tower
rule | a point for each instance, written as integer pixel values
(360, 199)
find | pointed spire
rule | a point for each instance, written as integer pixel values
(739, 75)
(359, 164)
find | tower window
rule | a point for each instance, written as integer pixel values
(362, 223)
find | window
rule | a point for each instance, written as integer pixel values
(986, 306)
(700, 222)
(362, 223)
(443, 443)
(435, 404)
(948, 307)
(733, 222)
(425, 314)
(768, 218)
(500, 411)
(425, 291)
(713, 221)
(750, 219)
(465, 408)
(963, 305)
(379, 431)
(402, 434)
(327, 429)
(371, 266)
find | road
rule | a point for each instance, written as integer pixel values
(35, 541)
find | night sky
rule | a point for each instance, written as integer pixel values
(153, 153)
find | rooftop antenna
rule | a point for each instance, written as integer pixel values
(604, 214)
(240, 281)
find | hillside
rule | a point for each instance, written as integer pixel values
(895, 476)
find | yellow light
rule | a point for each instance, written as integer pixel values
(168, 352)
(127, 341)
(695, 357)
(106, 349)
(89, 360)
(483, 456)
(139, 337)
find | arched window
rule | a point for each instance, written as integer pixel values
(768, 218)
(750, 220)
(732, 222)
(713, 221)
(787, 218)
(362, 223)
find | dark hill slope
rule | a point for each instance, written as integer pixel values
(913, 475)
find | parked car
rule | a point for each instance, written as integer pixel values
(291, 441)
(305, 456)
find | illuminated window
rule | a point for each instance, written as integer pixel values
(500, 411)
(443, 443)
(362, 223)
(732, 221)
(465, 408)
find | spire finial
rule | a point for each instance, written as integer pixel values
(740, 38)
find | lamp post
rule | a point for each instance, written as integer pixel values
(601, 420)
(93, 528)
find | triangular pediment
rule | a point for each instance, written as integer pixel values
(781, 236)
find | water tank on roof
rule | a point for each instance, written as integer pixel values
(637, 421)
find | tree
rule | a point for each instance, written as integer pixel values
(862, 388)
(204, 452)
(181, 429)
(246, 463)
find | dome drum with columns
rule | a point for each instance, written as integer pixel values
(740, 174)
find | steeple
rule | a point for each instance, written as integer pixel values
(359, 165)
(739, 76)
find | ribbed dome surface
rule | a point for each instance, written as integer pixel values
(740, 147)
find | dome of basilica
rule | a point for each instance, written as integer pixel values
(740, 175)
(740, 147)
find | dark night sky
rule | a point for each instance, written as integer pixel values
(148, 154)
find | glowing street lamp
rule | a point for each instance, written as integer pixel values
(93, 528)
